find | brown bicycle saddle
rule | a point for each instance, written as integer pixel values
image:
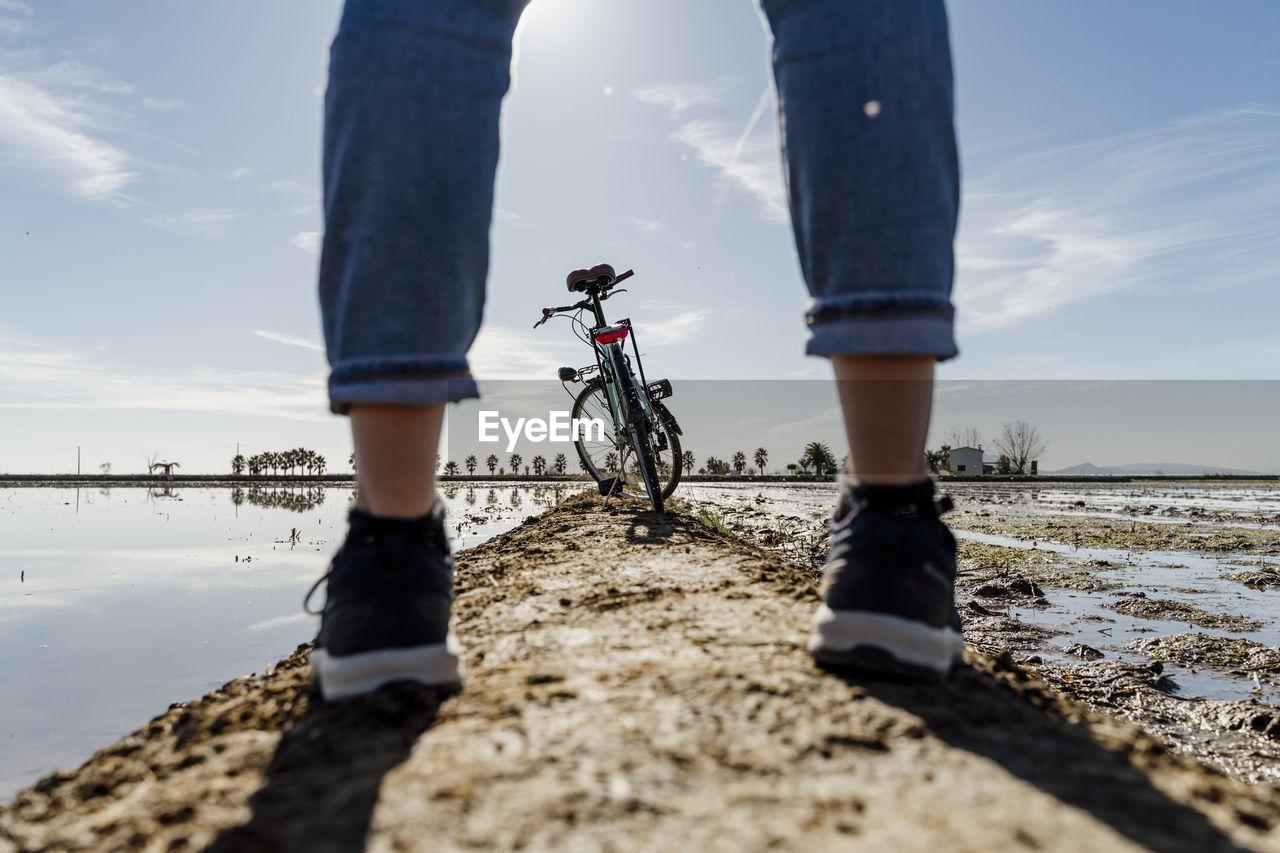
(597, 271)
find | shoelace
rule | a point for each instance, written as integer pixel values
(306, 599)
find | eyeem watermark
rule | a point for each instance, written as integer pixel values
(557, 427)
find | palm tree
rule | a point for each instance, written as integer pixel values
(516, 459)
(471, 464)
(491, 463)
(451, 468)
(688, 461)
(318, 464)
(739, 462)
(611, 461)
(818, 456)
(560, 463)
(539, 465)
(237, 464)
(761, 457)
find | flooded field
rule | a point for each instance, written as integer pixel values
(1156, 602)
(118, 602)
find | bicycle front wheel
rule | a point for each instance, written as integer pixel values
(600, 454)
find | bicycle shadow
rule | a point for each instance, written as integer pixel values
(323, 780)
(977, 712)
(646, 527)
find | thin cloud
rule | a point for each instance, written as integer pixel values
(11, 26)
(504, 353)
(37, 376)
(164, 103)
(288, 340)
(41, 130)
(200, 222)
(676, 330)
(307, 241)
(678, 97)
(644, 226)
(16, 6)
(237, 174)
(1188, 201)
(750, 166)
(77, 75)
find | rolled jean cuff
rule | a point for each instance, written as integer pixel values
(902, 331)
(395, 382)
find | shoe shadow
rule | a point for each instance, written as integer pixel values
(323, 781)
(1024, 728)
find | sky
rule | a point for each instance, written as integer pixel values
(159, 220)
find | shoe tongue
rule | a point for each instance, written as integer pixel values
(912, 500)
(423, 529)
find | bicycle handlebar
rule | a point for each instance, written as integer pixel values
(548, 313)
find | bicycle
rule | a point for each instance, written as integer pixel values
(641, 424)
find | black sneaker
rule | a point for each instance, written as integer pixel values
(386, 610)
(888, 603)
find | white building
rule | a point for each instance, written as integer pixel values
(965, 460)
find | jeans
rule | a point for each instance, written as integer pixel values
(411, 149)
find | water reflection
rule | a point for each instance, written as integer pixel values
(292, 498)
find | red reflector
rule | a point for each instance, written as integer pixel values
(612, 335)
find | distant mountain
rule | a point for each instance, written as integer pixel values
(1147, 469)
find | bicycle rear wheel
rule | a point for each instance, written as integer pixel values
(594, 450)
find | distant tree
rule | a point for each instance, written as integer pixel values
(105, 467)
(318, 464)
(539, 465)
(582, 465)
(502, 472)
(761, 458)
(471, 464)
(717, 467)
(516, 459)
(611, 461)
(560, 463)
(237, 465)
(818, 456)
(937, 459)
(491, 463)
(1021, 442)
(967, 436)
(1004, 466)
(688, 460)
(451, 468)
(792, 468)
(167, 467)
(739, 462)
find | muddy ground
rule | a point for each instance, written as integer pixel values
(636, 682)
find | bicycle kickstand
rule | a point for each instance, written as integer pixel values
(609, 488)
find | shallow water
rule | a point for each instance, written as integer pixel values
(115, 603)
(1081, 617)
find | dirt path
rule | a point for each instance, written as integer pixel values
(636, 683)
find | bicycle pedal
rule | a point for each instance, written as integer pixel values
(610, 486)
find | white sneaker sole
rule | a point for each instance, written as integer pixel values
(355, 675)
(854, 636)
